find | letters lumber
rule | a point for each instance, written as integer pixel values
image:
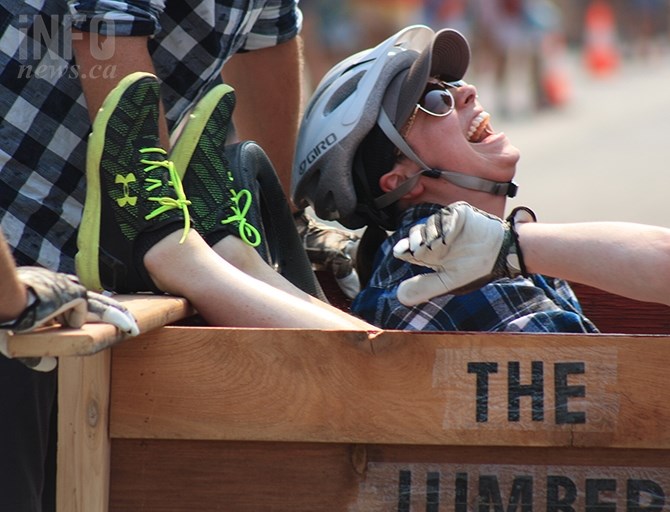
(174, 476)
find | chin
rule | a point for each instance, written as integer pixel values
(509, 163)
(499, 170)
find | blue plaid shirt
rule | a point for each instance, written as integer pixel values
(44, 122)
(535, 304)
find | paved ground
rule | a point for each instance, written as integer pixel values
(604, 157)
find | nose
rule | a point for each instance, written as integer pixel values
(466, 94)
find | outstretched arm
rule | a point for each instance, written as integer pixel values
(623, 258)
(33, 296)
(467, 248)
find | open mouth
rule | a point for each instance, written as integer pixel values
(480, 128)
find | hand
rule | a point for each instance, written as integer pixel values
(333, 249)
(465, 246)
(58, 297)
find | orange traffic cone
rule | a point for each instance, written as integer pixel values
(556, 81)
(601, 52)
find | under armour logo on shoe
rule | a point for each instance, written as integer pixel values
(127, 199)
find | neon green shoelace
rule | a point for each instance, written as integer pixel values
(166, 203)
(248, 233)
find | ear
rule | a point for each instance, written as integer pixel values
(392, 180)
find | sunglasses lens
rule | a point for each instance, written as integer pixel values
(438, 102)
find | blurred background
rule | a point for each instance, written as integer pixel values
(582, 87)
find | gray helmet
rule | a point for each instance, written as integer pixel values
(375, 88)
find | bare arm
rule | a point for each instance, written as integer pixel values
(467, 248)
(12, 291)
(623, 258)
(128, 55)
(268, 85)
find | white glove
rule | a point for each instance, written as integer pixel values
(58, 297)
(465, 246)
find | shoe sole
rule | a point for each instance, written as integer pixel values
(183, 149)
(208, 188)
(87, 261)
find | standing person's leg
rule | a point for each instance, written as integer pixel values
(27, 399)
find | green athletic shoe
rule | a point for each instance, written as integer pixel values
(221, 202)
(134, 197)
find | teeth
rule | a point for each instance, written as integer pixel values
(478, 127)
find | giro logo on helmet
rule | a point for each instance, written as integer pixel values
(322, 146)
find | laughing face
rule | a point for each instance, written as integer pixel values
(463, 141)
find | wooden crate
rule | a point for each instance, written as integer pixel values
(243, 419)
(199, 418)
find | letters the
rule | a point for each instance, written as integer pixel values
(518, 388)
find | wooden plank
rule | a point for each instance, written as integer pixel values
(396, 388)
(150, 311)
(83, 433)
(613, 314)
(173, 476)
(83, 398)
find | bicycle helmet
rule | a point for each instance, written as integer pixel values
(351, 124)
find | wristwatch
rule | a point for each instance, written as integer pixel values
(520, 214)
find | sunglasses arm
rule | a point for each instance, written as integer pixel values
(498, 188)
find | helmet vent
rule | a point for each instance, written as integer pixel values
(343, 92)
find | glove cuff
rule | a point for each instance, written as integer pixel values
(520, 214)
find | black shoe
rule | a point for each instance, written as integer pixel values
(134, 197)
(220, 203)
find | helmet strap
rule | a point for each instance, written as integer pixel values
(367, 207)
(498, 188)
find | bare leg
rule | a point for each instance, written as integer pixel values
(225, 295)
